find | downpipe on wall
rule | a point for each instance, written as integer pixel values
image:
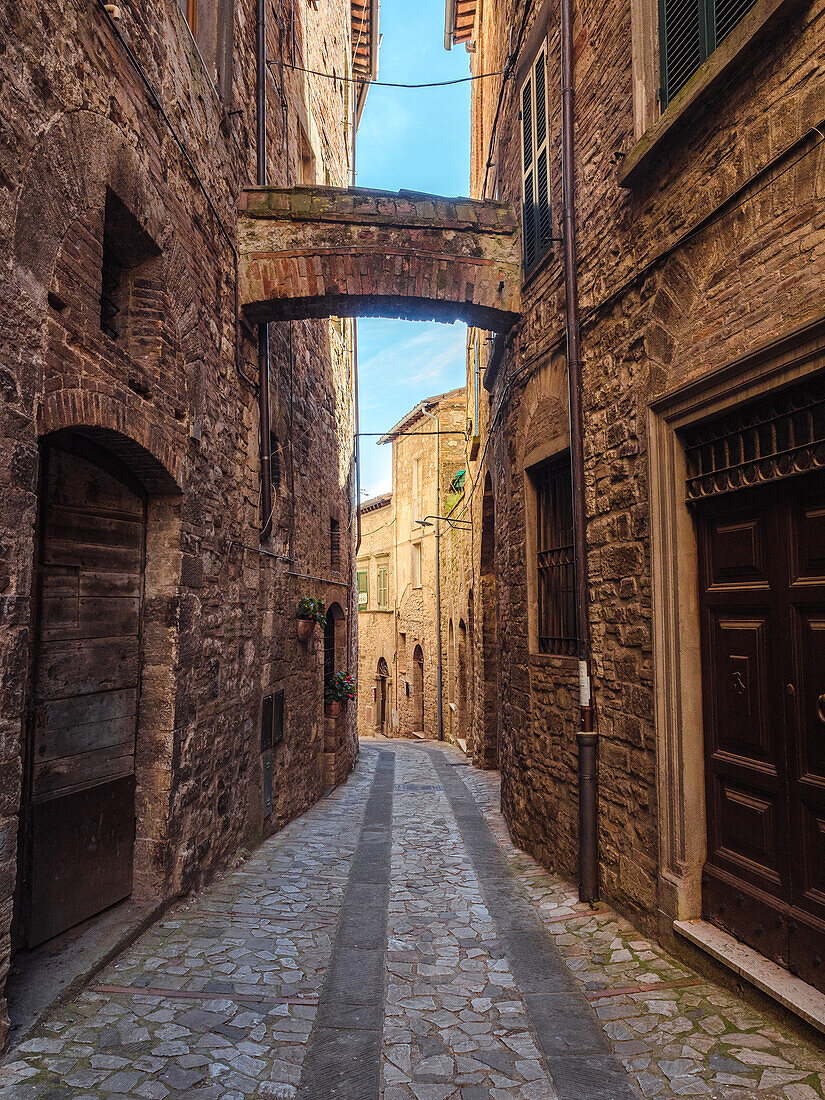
(264, 411)
(586, 737)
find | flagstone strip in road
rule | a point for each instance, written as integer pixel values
(240, 985)
(343, 1057)
(455, 1026)
(575, 1049)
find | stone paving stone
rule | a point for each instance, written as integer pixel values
(263, 931)
(695, 1040)
(464, 984)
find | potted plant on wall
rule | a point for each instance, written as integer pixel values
(338, 689)
(310, 612)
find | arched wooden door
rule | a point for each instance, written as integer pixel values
(418, 689)
(80, 804)
(383, 680)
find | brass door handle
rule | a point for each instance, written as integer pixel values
(820, 708)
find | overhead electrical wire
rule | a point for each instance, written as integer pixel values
(385, 83)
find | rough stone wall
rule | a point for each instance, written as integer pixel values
(674, 283)
(219, 618)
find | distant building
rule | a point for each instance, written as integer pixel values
(396, 572)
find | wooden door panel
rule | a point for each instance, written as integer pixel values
(807, 949)
(747, 831)
(809, 539)
(740, 689)
(746, 887)
(84, 845)
(85, 696)
(85, 769)
(810, 697)
(737, 552)
(81, 667)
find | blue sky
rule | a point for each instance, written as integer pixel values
(420, 140)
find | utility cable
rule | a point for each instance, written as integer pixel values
(385, 83)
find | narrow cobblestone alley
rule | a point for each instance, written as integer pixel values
(393, 943)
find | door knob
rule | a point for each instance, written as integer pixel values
(820, 708)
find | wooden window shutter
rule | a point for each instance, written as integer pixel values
(363, 589)
(727, 13)
(535, 147)
(689, 32)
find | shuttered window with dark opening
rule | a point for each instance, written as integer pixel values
(535, 151)
(689, 32)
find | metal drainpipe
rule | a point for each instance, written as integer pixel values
(264, 413)
(439, 652)
(586, 737)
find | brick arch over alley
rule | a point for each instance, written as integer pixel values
(329, 251)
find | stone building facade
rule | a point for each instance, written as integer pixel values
(701, 239)
(151, 672)
(396, 574)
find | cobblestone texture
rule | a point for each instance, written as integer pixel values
(231, 981)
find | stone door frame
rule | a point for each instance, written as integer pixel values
(680, 762)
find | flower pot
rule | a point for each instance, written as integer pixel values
(332, 708)
(306, 628)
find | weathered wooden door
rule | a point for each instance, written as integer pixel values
(81, 813)
(762, 582)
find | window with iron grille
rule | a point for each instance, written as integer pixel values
(689, 32)
(554, 553)
(535, 154)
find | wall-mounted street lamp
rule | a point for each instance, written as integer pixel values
(459, 525)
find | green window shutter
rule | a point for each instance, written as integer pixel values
(535, 151)
(363, 590)
(383, 587)
(689, 32)
(727, 13)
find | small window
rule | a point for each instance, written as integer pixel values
(535, 152)
(383, 594)
(126, 246)
(688, 35)
(363, 590)
(212, 27)
(416, 565)
(554, 549)
(272, 721)
(334, 545)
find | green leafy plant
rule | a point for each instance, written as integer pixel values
(312, 609)
(340, 688)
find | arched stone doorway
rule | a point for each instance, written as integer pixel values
(486, 748)
(92, 744)
(382, 697)
(418, 690)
